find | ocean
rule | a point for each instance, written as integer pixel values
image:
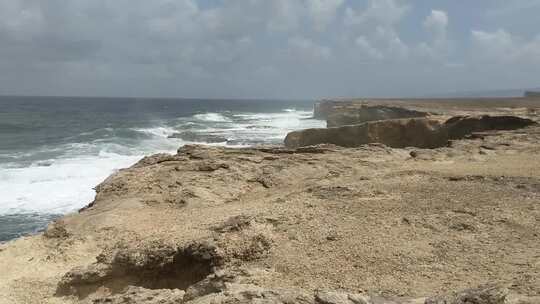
(54, 150)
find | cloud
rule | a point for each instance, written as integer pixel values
(323, 12)
(498, 45)
(512, 7)
(281, 48)
(374, 29)
(385, 13)
(502, 47)
(437, 23)
(439, 47)
(285, 14)
(306, 50)
(20, 19)
(366, 48)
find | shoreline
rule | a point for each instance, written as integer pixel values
(320, 224)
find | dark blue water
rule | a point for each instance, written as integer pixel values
(54, 150)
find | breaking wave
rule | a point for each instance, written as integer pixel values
(60, 179)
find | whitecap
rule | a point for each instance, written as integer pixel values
(63, 186)
(212, 117)
(160, 131)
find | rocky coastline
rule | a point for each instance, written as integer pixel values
(402, 202)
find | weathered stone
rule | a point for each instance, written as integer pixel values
(481, 295)
(401, 133)
(136, 295)
(327, 297)
(234, 224)
(366, 113)
(56, 230)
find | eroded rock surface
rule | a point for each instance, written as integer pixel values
(368, 113)
(401, 133)
(398, 133)
(457, 224)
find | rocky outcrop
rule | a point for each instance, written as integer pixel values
(155, 266)
(342, 113)
(461, 126)
(316, 225)
(229, 289)
(400, 133)
(366, 113)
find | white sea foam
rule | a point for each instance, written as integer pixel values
(212, 117)
(276, 125)
(62, 186)
(65, 184)
(160, 131)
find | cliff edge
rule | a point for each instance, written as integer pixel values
(458, 224)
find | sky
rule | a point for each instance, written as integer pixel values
(283, 49)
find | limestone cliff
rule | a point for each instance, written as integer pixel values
(401, 133)
(322, 224)
(368, 113)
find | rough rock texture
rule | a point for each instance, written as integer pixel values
(460, 126)
(397, 133)
(447, 106)
(368, 113)
(482, 295)
(400, 133)
(459, 224)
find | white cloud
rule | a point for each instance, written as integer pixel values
(285, 14)
(437, 23)
(323, 12)
(390, 42)
(305, 49)
(366, 48)
(380, 12)
(165, 47)
(512, 7)
(20, 18)
(500, 39)
(439, 47)
(374, 29)
(502, 47)
(498, 45)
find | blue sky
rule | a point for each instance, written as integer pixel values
(267, 48)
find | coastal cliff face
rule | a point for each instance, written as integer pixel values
(321, 224)
(355, 111)
(366, 113)
(401, 133)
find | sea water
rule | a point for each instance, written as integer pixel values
(54, 150)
